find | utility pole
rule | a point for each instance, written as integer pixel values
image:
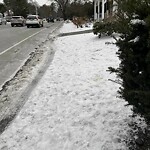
(36, 10)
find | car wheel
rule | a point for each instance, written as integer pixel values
(12, 25)
(28, 26)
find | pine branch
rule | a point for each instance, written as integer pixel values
(115, 81)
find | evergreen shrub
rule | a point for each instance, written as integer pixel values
(105, 28)
(133, 25)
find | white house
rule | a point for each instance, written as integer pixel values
(103, 9)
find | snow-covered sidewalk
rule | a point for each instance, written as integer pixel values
(74, 106)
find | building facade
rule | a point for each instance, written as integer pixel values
(104, 9)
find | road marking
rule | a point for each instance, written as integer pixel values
(21, 41)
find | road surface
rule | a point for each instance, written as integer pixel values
(16, 43)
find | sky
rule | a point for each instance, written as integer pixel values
(75, 105)
(40, 2)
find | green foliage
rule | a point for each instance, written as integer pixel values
(133, 24)
(2, 8)
(106, 28)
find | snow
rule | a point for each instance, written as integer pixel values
(72, 28)
(137, 21)
(135, 39)
(75, 105)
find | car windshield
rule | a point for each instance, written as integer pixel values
(31, 17)
(16, 17)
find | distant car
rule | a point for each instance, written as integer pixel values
(2, 19)
(58, 19)
(34, 20)
(50, 19)
(18, 21)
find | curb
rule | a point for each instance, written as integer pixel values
(75, 33)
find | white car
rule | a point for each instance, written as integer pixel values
(18, 21)
(34, 20)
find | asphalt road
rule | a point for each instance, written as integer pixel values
(16, 43)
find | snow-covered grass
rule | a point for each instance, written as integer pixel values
(70, 27)
(75, 105)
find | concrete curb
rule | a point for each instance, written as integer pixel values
(75, 33)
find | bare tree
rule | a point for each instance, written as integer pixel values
(62, 5)
(35, 4)
(19, 7)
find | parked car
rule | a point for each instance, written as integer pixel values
(34, 20)
(18, 21)
(2, 19)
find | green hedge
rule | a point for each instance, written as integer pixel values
(106, 28)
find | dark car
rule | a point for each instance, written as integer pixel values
(50, 19)
(58, 19)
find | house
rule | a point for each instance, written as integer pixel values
(104, 9)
